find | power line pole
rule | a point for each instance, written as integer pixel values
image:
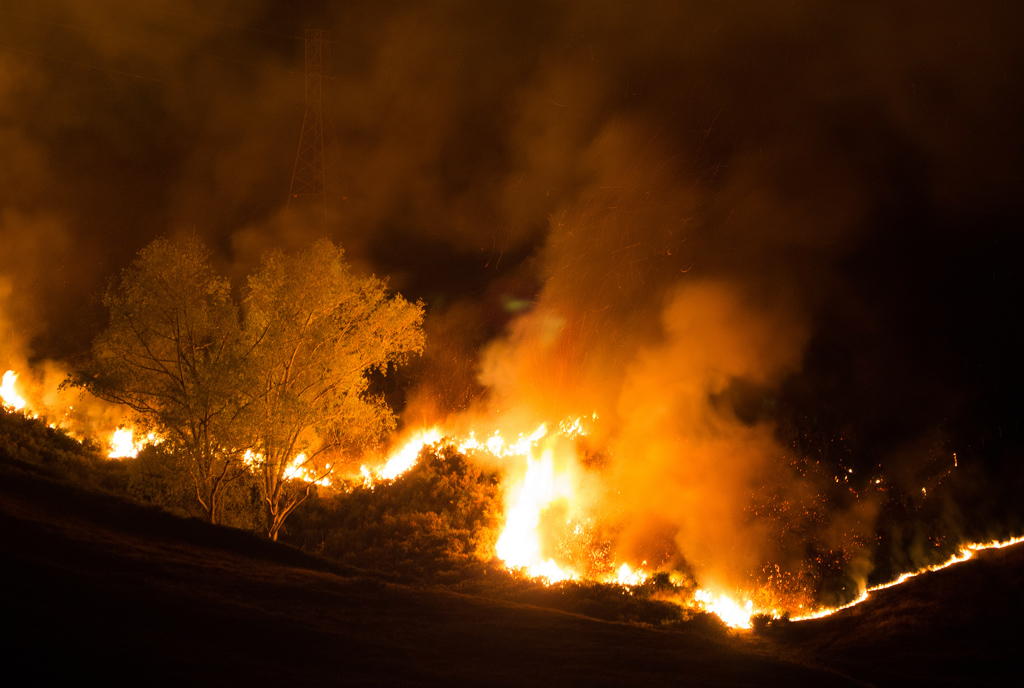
(309, 188)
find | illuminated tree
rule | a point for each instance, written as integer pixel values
(170, 353)
(275, 393)
(313, 331)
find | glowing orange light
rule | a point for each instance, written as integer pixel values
(10, 396)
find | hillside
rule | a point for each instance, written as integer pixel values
(99, 586)
(957, 626)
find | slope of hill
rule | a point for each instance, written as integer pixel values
(98, 587)
(957, 626)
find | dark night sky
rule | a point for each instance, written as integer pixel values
(852, 173)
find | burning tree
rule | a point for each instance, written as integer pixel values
(312, 332)
(170, 354)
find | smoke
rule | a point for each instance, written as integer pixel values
(592, 198)
(679, 341)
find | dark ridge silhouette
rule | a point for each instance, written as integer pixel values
(957, 626)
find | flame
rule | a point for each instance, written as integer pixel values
(10, 396)
(734, 614)
(965, 553)
(298, 468)
(405, 458)
(519, 545)
(123, 445)
(301, 469)
(627, 576)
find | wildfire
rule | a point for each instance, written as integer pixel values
(120, 441)
(732, 613)
(965, 553)
(539, 475)
(519, 545)
(541, 471)
(10, 396)
(123, 444)
(541, 484)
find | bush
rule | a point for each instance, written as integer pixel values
(63, 458)
(160, 477)
(431, 523)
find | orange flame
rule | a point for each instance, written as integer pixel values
(965, 553)
(10, 396)
(545, 479)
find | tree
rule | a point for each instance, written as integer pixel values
(170, 353)
(312, 333)
(286, 386)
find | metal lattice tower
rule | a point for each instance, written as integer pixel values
(309, 187)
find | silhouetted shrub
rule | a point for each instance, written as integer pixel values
(435, 520)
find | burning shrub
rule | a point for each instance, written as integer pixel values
(435, 520)
(64, 458)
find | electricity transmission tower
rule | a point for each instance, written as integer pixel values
(309, 187)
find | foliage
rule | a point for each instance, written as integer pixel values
(435, 520)
(312, 332)
(229, 396)
(170, 355)
(161, 477)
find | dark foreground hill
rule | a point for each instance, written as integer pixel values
(100, 588)
(959, 626)
(96, 588)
